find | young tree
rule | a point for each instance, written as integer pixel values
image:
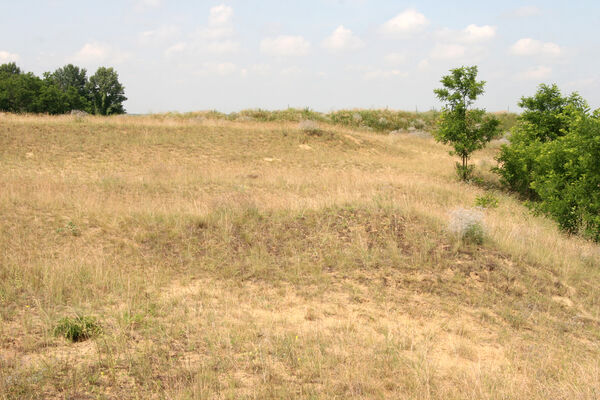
(467, 129)
(106, 92)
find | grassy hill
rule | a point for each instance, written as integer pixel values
(217, 258)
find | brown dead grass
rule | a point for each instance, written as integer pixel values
(250, 260)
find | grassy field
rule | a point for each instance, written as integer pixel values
(254, 260)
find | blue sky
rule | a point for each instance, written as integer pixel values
(324, 54)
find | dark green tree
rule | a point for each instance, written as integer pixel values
(72, 82)
(18, 90)
(69, 76)
(107, 94)
(10, 69)
(467, 129)
(546, 117)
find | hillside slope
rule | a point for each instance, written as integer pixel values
(231, 259)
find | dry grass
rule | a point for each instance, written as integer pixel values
(252, 260)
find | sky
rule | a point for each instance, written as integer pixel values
(228, 55)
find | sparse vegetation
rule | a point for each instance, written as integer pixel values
(244, 259)
(468, 225)
(487, 200)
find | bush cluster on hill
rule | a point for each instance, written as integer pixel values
(66, 89)
(553, 159)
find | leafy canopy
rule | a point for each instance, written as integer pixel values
(552, 159)
(61, 91)
(106, 92)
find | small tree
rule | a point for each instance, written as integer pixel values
(466, 129)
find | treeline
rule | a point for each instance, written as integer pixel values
(553, 159)
(59, 92)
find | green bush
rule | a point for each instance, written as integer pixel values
(486, 201)
(546, 117)
(77, 329)
(552, 160)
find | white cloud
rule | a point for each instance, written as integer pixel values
(372, 73)
(470, 35)
(342, 39)
(448, 51)
(176, 48)
(141, 5)
(476, 34)
(220, 15)
(285, 46)
(395, 58)
(218, 69)
(384, 74)
(261, 69)
(97, 52)
(290, 72)
(222, 47)
(423, 64)
(6, 57)
(532, 47)
(220, 23)
(213, 38)
(536, 73)
(159, 35)
(525, 11)
(408, 21)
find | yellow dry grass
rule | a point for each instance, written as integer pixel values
(252, 260)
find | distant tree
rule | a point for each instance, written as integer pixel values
(69, 76)
(72, 82)
(51, 100)
(107, 94)
(466, 129)
(18, 91)
(10, 69)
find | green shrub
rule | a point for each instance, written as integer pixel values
(77, 329)
(546, 117)
(552, 160)
(486, 201)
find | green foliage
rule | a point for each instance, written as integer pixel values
(18, 91)
(486, 201)
(383, 120)
(77, 329)
(106, 92)
(545, 117)
(466, 129)
(70, 228)
(552, 159)
(59, 92)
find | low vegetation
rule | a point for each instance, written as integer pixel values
(238, 258)
(77, 329)
(381, 121)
